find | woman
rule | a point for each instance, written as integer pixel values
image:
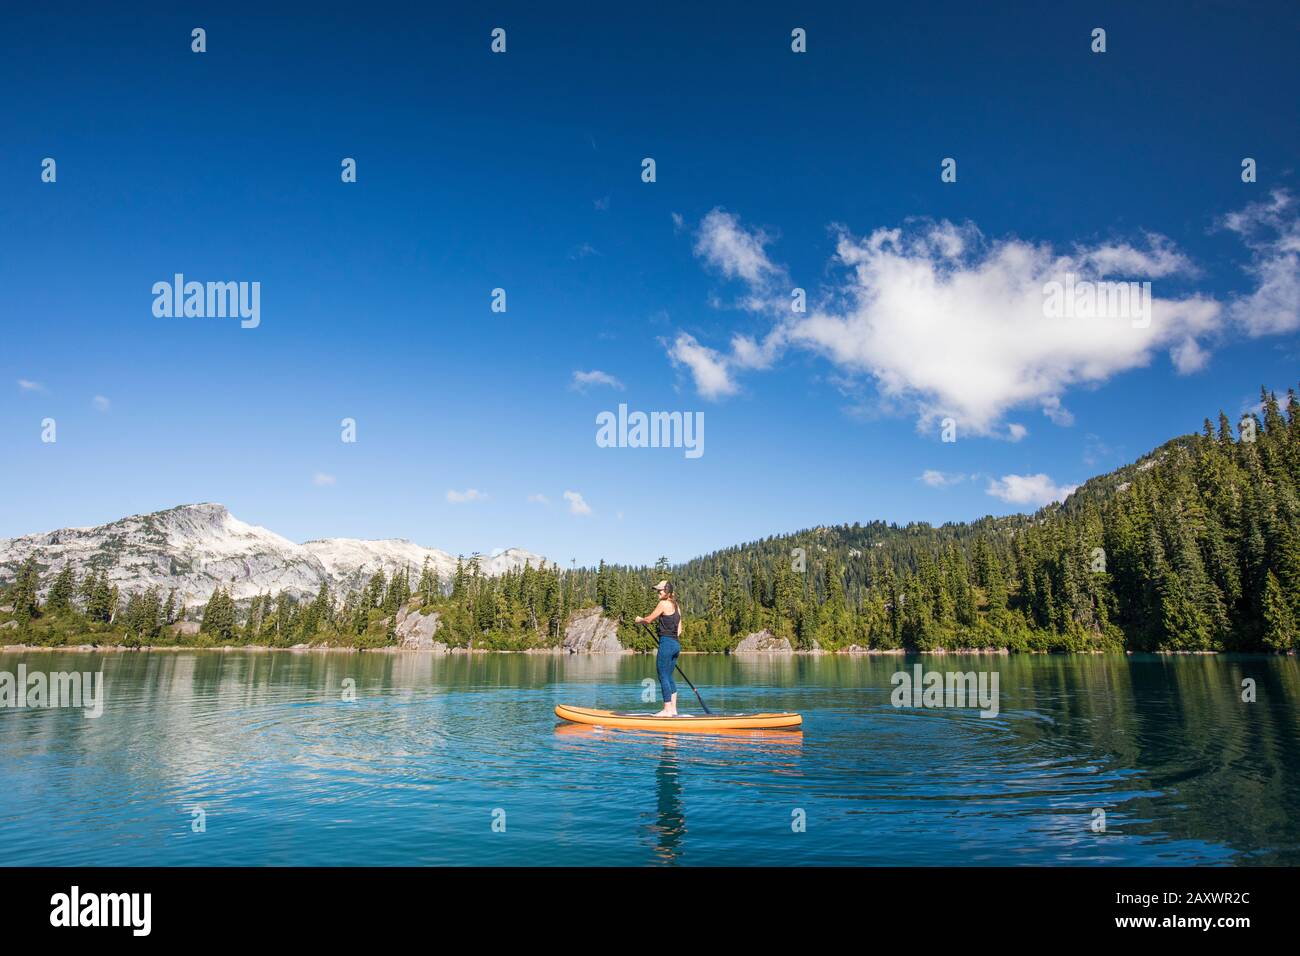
(669, 615)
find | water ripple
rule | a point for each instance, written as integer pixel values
(386, 759)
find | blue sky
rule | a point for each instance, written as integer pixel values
(522, 171)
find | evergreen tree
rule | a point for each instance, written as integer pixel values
(219, 616)
(1279, 623)
(26, 589)
(376, 589)
(62, 591)
(429, 587)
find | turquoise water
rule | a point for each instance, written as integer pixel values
(435, 749)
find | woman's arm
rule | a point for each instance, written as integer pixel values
(661, 608)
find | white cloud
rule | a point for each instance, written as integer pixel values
(735, 251)
(1272, 234)
(708, 367)
(469, 494)
(957, 327)
(539, 500)
(577, 505)
(941, 479)
(747, 353)
(1058, 413)
(322, 480)
(1188, 356)
(27, 385)
(1016, 432)
(947, 322)
(1157, 260)
(1036, 490)
(100, 403)
(584, 380)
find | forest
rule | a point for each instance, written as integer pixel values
(1194, 547)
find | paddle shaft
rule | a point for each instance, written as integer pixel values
(679, 670)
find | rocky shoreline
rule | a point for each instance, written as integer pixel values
(443, 650)
(589, 632)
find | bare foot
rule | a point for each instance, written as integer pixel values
(666, 713)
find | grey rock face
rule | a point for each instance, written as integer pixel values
(196, 548)
(415, 631)
(590, 632)
(763, 642)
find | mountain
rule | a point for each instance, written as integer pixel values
(193, 548)
(857, 546)
(1194, 547)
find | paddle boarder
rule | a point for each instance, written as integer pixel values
(669, 615)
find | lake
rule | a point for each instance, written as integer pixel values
(459, 760)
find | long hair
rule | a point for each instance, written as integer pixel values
(671, 595)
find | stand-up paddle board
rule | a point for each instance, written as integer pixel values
(648, 721)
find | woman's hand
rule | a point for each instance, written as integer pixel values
(639, 620)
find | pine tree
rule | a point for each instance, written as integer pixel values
(62, 591)
(219, 616)
(101, 602)
(376, 587)
(26, 589)
(1279, 624)
(458, 580)
(429, 586)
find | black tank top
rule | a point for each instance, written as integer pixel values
(669, 624)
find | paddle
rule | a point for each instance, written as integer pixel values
(652, 634)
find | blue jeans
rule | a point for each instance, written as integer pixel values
(669, 648)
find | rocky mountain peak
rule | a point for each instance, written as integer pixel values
(195, 548)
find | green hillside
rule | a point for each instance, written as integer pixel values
(1194, 547)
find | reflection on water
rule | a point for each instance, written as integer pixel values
(288, 770)
(669, 826)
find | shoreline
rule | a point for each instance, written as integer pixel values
(561, 652)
